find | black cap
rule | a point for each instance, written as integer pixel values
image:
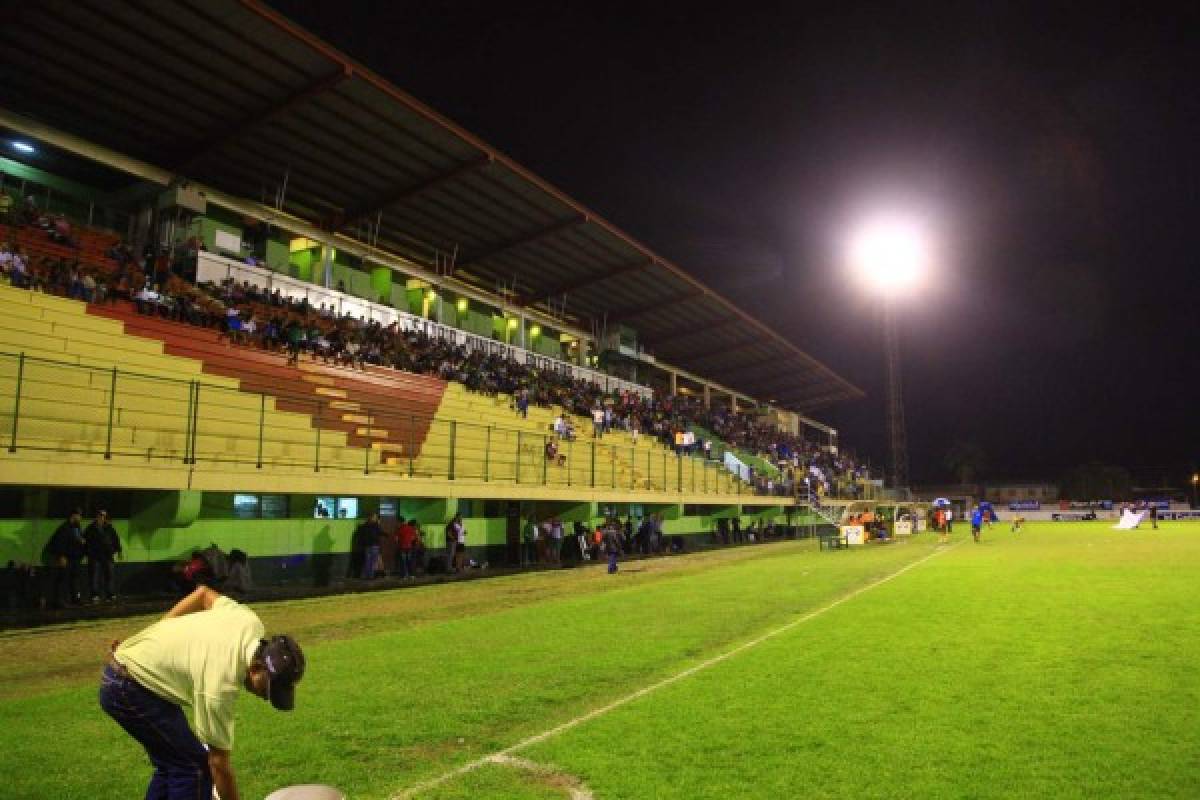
(285, 666)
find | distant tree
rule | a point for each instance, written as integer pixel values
(1096, 480)
(965, 460)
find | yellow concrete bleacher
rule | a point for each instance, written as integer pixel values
(163, 409)
(491, 441)
(68, 393)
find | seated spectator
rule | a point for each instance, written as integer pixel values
(552, 454)
(147, 299)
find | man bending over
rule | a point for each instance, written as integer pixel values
(198, 655)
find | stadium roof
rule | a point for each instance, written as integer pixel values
(231, 94)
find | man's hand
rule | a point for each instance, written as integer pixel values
(222, 774)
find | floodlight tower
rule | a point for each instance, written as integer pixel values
(890, 256)
(897, 431)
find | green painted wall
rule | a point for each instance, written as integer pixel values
(167, 526)
(381, 285)
(277, 255)
(218, 219)
(303, 262)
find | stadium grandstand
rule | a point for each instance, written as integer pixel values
(254, 293)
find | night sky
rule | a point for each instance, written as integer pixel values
(1056, 152)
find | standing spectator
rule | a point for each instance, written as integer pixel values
(406, 535)
(367, 535)
(451, 537)
(597, 421)
(612, 545)
(66, 550)
(537, 544)
(418, 549)
(103, 547)
(523, 403)
(643, 536)
(556, 540)
(580, 531)
(460, 543)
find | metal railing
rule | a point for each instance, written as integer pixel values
(112, 412)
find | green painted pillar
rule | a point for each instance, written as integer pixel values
(381, 285)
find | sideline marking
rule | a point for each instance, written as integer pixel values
(500, 755)
(575, 787)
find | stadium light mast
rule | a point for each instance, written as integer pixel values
(890, 256)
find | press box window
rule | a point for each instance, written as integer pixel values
(253, 506)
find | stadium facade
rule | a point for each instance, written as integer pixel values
(292, 170)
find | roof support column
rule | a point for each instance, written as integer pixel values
(674, 383)
(707, 396)
(326, 266)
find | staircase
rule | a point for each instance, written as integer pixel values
(386, 411)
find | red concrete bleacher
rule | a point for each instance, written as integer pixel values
(381, 408)
(91, 253)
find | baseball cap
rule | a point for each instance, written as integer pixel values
(285, 666)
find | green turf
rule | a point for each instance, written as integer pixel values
(1061, 663)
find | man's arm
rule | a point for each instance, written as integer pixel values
(222, 774)
(202, 599)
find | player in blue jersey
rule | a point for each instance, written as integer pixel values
(976, 522)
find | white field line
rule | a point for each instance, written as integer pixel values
(500, 755)
(575, 787)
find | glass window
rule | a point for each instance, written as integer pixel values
(273, 506)
(245, 506)
(325, 507)
(347, 508)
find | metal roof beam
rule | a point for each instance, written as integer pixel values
(622, 314)
(608, 273)
(704, 351)
(523, 240)
(376, 204)
(823, 400)
(747, 367)
(790, 381)
(219, 139)
(692, 330)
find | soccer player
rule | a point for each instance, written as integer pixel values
(976, 522)
(1018, 523)
(198, 655)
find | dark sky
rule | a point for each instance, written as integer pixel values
(1057, 152)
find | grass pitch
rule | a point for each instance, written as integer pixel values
(1061, 662)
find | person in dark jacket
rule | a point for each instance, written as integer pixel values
(369, 536)
(65, 552)
(103, 548)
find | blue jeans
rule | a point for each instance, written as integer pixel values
(180, 761)
(369, 560)
(405, 559)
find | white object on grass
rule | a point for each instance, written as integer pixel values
(1129, 520)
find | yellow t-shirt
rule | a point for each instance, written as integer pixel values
(198, 660)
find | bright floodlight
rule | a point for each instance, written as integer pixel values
(23, 147)
(890, 254)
